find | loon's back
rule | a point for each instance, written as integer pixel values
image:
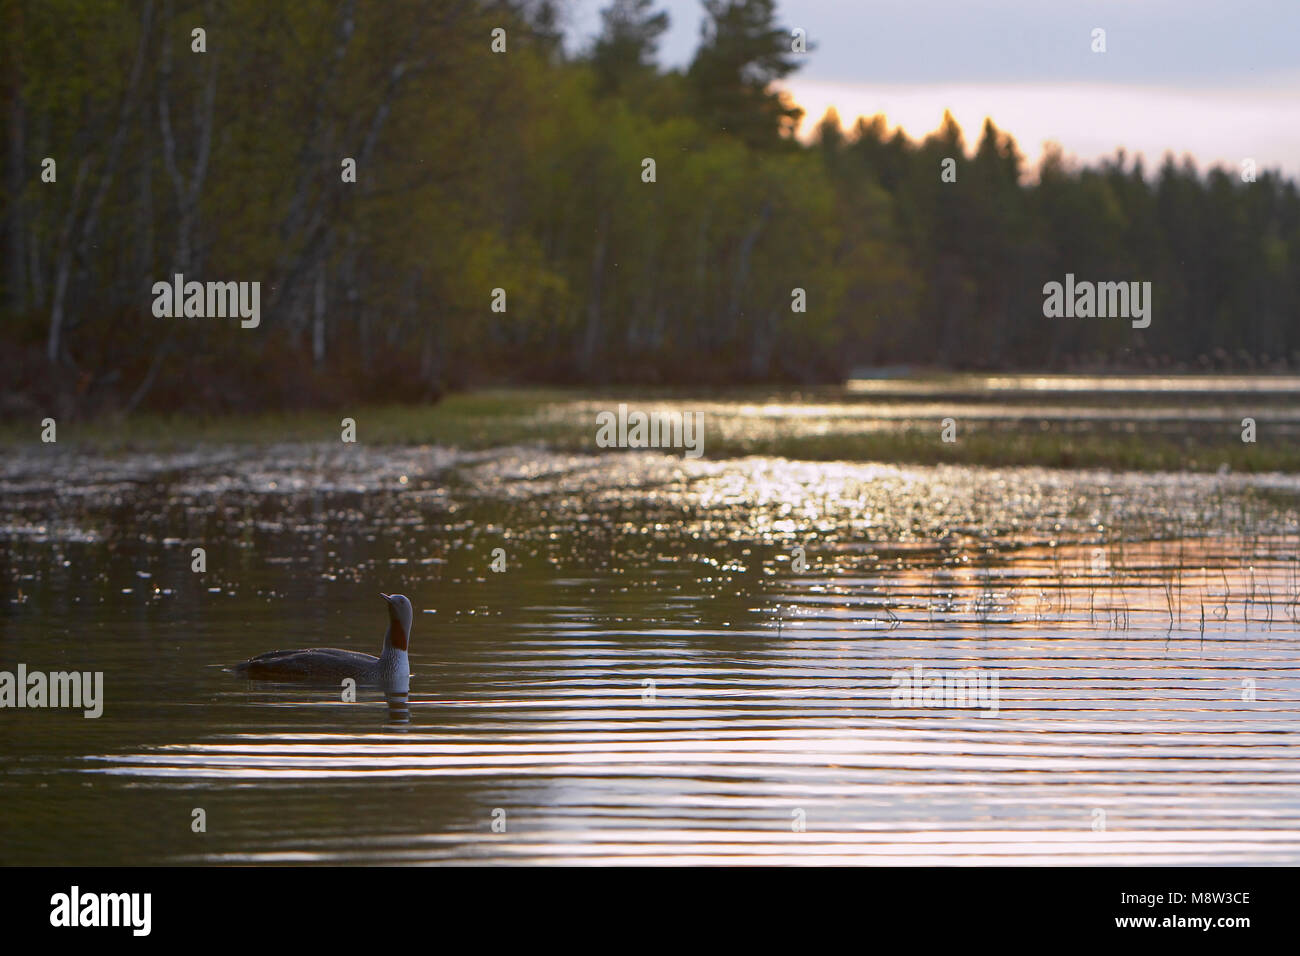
(328, 665)
(325, 664)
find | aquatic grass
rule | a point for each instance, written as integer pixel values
(563, 420)
(467, 420)
(1293, 606)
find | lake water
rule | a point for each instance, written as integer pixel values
(660, 675)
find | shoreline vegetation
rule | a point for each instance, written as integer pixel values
(403, 207)
(1023, 423)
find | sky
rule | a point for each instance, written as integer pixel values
(1216, 79)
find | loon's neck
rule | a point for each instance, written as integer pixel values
(395, 641)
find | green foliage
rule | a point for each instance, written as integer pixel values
(624, 53)
(742, 54)
(523, 171)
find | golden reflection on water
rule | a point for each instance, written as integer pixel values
(1116, 698)
(1083, 384)
(655, 680)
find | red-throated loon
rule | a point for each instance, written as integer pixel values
(390, 669)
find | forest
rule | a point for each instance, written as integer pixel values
(437, 195)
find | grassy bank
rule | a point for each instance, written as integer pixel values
(734, 425)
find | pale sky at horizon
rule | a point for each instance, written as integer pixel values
(1219, 81)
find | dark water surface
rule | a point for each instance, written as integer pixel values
(1142, 629)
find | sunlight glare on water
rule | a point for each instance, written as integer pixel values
(659, 676)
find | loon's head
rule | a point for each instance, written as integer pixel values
(400, 614)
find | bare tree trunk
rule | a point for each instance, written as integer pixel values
(318, 319)
(592, 335)
(322, 221)
(703, 302)
(63, 267)
(760, 349)
(742, 268)
(16, 165)
(187, 192)
(189, 189)
(640, 330)
(35, 274)
(70, 249)
(144, 237)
